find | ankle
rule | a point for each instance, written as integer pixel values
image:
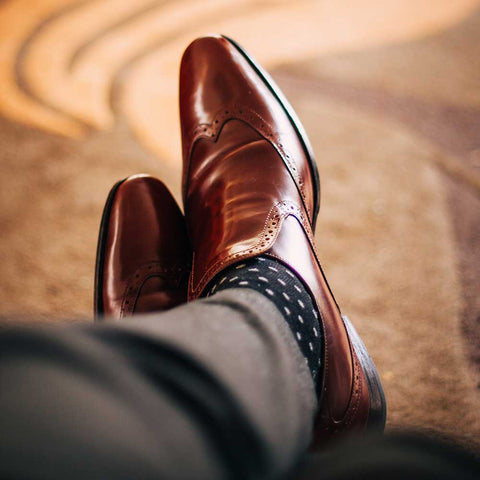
(287, 292)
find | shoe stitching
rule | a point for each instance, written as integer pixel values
(140, 276)
(258, 123)
(339, 426)
(266, 239)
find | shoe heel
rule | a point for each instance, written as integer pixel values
(378, 404)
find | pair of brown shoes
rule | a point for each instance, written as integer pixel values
(250, 187)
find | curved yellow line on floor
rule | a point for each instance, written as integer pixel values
(45, 64)
(17, 19)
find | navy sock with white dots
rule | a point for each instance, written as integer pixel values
(283, 287)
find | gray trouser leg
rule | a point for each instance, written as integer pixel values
(214, 389)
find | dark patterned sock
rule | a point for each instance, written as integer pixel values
(283, 287)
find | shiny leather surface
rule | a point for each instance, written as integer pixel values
(145, 253)
(248, 190)
(230, 89)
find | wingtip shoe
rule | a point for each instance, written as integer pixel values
(143, 253)
(251, 187)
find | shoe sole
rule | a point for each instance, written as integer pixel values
(102, 237)
(294, 120)
(378, 404)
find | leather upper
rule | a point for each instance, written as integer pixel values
(248, 190)
(145, 253)
(227, 87)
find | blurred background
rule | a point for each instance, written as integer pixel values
(389, 93)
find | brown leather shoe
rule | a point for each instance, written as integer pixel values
(143, 253)
(250, 188)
